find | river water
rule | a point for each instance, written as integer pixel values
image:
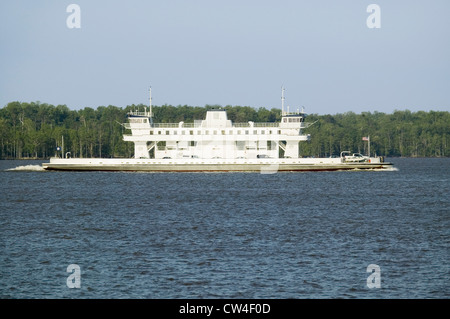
(226, 235)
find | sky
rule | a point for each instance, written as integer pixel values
(234, 52)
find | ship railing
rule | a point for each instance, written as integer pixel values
(258, 124)
(175, 125)
(196, 125)
(167, 125)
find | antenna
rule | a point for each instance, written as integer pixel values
(282, 100)
(150, 113)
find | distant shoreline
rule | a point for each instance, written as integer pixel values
(35, 130)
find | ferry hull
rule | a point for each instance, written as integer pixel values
(219, 166)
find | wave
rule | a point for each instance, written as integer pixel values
(390, 169)
(27, 168)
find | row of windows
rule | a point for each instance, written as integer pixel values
(215, 132)
(293, 120)
(137, 120)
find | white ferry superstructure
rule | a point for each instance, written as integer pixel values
(215, 144)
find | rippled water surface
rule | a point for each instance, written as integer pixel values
(225, 235)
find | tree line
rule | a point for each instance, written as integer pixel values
(36, 130)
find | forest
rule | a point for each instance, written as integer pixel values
(35, 130)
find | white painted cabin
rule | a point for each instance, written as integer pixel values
(216, 137)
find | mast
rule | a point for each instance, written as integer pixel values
(150, 113)
(282, 101)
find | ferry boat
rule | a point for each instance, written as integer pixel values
(215, 144)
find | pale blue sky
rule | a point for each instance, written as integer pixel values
(234, 52)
